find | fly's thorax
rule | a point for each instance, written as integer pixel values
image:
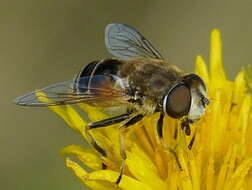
(146, 106)
(149, 77)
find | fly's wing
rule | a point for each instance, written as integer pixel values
(125, 42)
(99, 90)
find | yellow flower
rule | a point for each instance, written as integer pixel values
(221, 155)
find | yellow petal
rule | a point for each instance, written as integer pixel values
(143, 140)
(160, 161)
(173, 180)
(201, 69)
(94, 114)
(127, 183)
(143, 168)
(149, 123)
(248, 75)
(209, 183)
(223, 171)
(71, 117)
(216, 68)
(194, 173)
(82, 175)
(237, 179)
(66, 112)
(86, 156)
(184, 175)
(242, 123)
(239, 88)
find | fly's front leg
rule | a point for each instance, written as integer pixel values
(160, 135)
(191, 141)
(99, 124)
(122, 131)
(185, 126)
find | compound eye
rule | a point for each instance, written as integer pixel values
(177, 101)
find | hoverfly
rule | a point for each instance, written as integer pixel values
(138, 79)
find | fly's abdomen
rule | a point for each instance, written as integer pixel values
(102, 67)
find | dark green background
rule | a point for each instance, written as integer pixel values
(47, 41)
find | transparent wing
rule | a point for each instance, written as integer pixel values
(99, 90)
(125, 42)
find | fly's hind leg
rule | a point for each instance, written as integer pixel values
(122, 131)
(99, 124)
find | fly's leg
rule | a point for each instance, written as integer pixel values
(99, 124)
(122, 152)
(160, 127)
(160, 135)
(185, 126)
(122, 131)
(191, 142)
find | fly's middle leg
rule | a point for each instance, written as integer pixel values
(100, 124)
(122, 131)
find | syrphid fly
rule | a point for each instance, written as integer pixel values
(138, 79)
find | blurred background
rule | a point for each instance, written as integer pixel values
(43, 42)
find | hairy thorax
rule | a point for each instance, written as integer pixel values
(151, 79)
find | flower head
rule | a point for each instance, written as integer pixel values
(217, 154)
